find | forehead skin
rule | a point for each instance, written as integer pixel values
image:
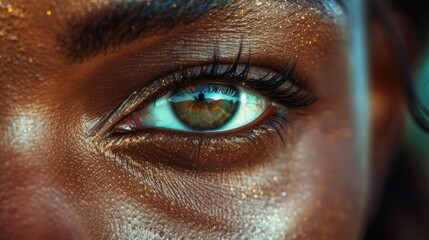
(57, 180)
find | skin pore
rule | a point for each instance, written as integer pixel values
(71, 71)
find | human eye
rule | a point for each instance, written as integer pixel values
(207, 107)
(215, 109)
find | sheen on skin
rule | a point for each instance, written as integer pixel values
(62, 176)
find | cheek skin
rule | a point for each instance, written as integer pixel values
(306, 194)
(309, 191)
(301, 196)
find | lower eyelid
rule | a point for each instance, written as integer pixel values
(213, 154)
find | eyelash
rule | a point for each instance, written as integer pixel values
(277, 86)
(271, 84)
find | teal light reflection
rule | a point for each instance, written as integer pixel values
(359, 81)
(417, 140)
(360, 96)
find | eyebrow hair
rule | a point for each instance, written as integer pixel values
(123, 21)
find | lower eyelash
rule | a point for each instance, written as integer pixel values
(206, 153)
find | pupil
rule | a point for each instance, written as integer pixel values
(201, 96)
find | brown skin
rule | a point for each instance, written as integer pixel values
(63, 177)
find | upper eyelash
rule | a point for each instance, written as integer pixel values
(271, 85)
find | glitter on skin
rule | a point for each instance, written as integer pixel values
(241, 213)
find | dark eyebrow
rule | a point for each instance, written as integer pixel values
(122, 22)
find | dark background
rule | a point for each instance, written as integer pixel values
(404, 209)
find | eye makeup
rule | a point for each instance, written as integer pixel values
(221, 150)
(282, 88)
(251, 180)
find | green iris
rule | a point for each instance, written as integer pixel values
(206, 107)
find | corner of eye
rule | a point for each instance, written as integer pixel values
(122, 128)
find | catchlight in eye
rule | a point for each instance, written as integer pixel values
(209, 107)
